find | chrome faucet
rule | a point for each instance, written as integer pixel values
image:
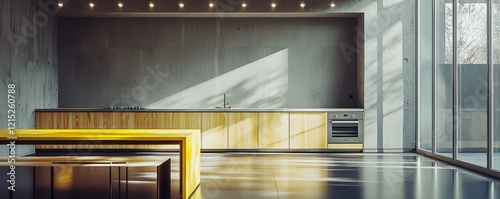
(226, 104)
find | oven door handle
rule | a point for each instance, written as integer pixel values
(344, 122)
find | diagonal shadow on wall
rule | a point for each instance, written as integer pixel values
(262, 83)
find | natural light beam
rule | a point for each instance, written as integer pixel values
(260, 84)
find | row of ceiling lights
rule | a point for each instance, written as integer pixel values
(181, 5)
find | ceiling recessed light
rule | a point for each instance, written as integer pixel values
(244, 5)
(151, 5)
(60, 4)
(273, 5)
(332, 5)
(211, 4)
(91, 5)
(302, 5)
(181, 5)
(120, 4)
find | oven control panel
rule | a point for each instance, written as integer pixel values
(345, 115)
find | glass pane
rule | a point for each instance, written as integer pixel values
(473, 83)
(444, 77)
(496, 66)
(426, 75)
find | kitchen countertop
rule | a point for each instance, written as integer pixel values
(204, 110)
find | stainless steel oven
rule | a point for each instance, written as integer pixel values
(345, 127)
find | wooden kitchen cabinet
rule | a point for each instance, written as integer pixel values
(243, 130)
(116, 120)
(308, 131)
(182, 120)
(274, 130)
(214, 130)
(219, 130)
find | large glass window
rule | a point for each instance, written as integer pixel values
(426, 75)
(496, 82)
(472, 59)
(454, 79)
(444, 77)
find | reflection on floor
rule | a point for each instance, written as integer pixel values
(339, 176)
(283, 176)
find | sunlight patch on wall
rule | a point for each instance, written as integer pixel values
(393, 85)
(259, 84)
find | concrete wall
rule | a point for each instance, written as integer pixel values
(28, 59)
(386, 43)
(193, 62)
(389, 63)
(389, 72)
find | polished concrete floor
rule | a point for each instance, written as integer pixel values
(339, 176)
(324, 175)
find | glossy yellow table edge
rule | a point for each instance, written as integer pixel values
(190, 144)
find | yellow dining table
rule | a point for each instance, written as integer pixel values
(189, 141)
